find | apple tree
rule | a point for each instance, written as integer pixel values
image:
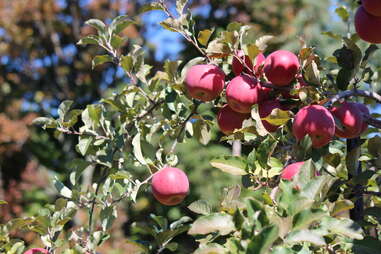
(300, 125)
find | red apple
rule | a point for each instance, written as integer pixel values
(170, 186)
(228, 120)
(258, 67)
(264, 109)
(315, 121)
(204, 82)
(37, 251)
(237, 66)
(367, 26)
(291, 170)
(372, 7)
(350, 117)
(281, 67)
(243, 92)
(365, 113)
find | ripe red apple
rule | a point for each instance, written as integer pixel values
(365, 113)
(372, 7)
(281, 67)
(367, 26)
(170, 186)
(258, 67)
(204, 81)
(228, 120)
(243, 92)
(291, 170)
(315, 121)
(350, 117)
(237, 66)
(37, 251)
(264, 109)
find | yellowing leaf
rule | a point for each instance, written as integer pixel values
(341, 206)
(204, 36)
(278, 117)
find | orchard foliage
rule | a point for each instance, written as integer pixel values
(329, 204)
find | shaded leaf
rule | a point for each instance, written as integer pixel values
(200, 207)
(217, 222)
(230, 164)
(305, 236)
(101, 59)
(262, 242)
(137, 149)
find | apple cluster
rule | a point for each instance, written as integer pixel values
(367, 19)
(206, 82)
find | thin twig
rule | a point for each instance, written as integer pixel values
(182, 128)
(354, 92)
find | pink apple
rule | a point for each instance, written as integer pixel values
(170, 186)
(372, 7)
(350, 117)
(315, 121)
(228, 120)
(204, 82)
(367, 26)
(291, 170)
(365, 113)
(281, 67)
(37, 251)
(265, 108)
(243, 92)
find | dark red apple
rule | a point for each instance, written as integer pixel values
(281, 67)
(204, 82)
(243, 92)
(37, 251)
(365, 113)
(291, 170)
(264, 109)
(170, 186)
(350, 117)
(237, 65)
(228, 120)
(367, 26)
(315, 121)
(372, 7)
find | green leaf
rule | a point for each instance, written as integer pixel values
(217, 222)
(202, 132)
(46, 122)
(343, 227)
(137, 149)
(127, 63)
(278, 117)
(211, 248)
(101, 59)
(230, 164)
(97, 24)
(90, 39)
(296, 237)
(343, 13)
(216, 48)
(374, 146)
(344, 77)
(84, 144)
(150, 7)
(262, 42)
(107, 217)
(117, 41)
(312, 73)
(62, 189)
(303, 219)
(64, 108)
(342, 206)
(356, 51)
(120, 23)
(200, 207)
(204, 36)
(368, 53)
(261, 130)
(262, 242)
(332, 35)
(2, 202)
